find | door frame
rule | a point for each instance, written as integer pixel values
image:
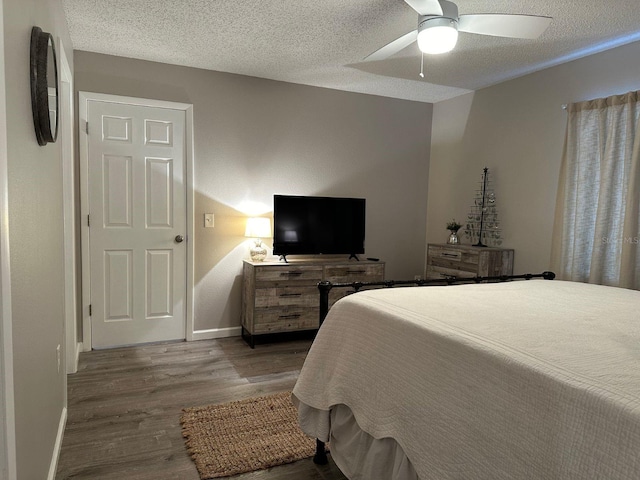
(66, 127)
(8, 461)
(83, 103)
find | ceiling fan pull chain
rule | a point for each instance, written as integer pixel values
(422, 65)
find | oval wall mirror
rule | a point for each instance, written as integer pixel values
(44, 86)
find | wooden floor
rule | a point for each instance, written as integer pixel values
(124, 406)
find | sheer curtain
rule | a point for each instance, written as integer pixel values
(595, 235)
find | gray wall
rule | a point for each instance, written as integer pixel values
(256, 137)
(517, 130)
(36, 246)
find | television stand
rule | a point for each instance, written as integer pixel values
(282, 297)
(283, 258)
(353, 255)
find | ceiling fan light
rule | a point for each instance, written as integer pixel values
(438, 38)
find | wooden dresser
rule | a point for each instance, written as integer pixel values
(280, 297)
(453, 261)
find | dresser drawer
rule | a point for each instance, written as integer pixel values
(440, 273)
(272, 320)
(443, 262)
(350, 274)
(287, 296)
(457, 265)
(354, 273)
(455, 255)
(280, 275)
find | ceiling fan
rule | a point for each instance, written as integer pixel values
(439, 24)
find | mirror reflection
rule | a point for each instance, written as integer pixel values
(52, 88)
(44, 86)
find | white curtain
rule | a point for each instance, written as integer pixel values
(596, 237)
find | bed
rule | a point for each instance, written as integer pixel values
(516, 380)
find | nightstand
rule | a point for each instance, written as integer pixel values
(456, 261)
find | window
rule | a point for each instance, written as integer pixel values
(596, 237)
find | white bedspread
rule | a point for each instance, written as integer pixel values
(522, 380)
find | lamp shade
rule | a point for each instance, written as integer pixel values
(437, 36)
(258, 227)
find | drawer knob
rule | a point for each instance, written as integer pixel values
(290, 295)
(291, 316)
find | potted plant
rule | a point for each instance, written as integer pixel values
(453, 228)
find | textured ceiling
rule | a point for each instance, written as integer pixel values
(323, 42)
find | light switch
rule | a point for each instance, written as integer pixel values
(208, 220)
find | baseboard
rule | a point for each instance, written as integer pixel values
(217, 333)
(79, 349)
(56, 448)
(71, 369)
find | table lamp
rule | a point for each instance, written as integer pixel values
(258, 228)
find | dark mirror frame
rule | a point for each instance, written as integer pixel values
(43, 51)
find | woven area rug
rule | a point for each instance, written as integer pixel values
(244, 436)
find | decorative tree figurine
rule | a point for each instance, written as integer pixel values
(482, 220)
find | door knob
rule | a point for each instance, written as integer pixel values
(179, 238)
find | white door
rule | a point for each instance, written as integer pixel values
(137, 223)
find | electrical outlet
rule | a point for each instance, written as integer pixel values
(208, 220)
(58, 357)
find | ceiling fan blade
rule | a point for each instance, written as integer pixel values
(425, 7)
(393, 47)
(504, 25)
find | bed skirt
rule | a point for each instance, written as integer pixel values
(356, 453)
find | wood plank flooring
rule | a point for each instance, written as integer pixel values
(124, 406)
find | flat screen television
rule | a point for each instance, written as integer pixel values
(306, 225)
